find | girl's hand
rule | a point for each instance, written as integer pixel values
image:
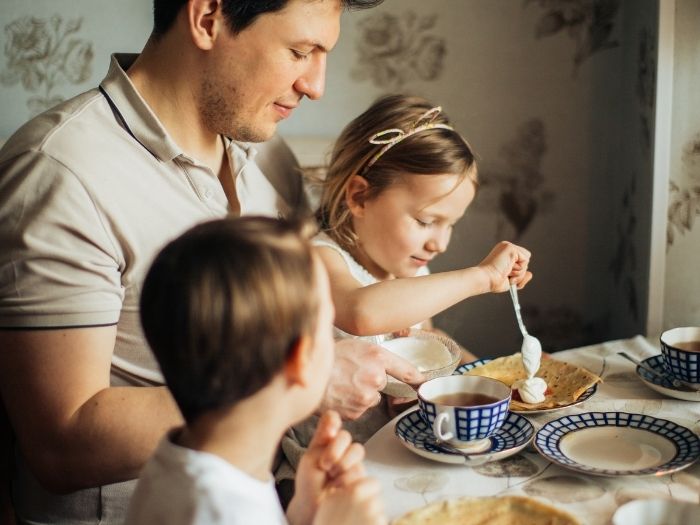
(506, 263)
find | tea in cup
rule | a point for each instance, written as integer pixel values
(464, 411)
(680, 348)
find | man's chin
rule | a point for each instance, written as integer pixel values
(254, 135)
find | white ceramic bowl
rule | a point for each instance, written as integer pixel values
(435, 355)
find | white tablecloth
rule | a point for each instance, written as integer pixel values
(410, 481)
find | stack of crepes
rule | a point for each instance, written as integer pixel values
(565, 382)
(506, 510)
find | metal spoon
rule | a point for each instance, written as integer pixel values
(530, 343)
(677, 383)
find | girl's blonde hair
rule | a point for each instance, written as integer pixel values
(428, 152)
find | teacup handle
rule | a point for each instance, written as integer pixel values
(441, 418)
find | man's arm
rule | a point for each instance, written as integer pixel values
(74, 430)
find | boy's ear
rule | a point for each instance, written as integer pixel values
(205, 19)
(356, 195)
(296, 369)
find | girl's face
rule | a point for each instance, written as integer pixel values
(404, 227)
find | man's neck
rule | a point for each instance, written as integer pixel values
(168, 91)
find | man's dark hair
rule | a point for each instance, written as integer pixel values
(238, 13)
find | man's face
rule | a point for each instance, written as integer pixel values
(256, 78)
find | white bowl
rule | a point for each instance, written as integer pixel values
(433, 354)
(657, 512)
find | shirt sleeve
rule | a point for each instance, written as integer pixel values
(58, 265)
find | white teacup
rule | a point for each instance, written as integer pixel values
(464, 411)
(680, 348)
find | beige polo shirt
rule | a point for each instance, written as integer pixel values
(90, 191)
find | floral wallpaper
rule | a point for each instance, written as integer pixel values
(521, 185)
(589, 23)
(684, 198)
(396, 48)
(43, 53)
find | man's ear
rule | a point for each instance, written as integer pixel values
(356, 195)
(296, 368)
(205, 20)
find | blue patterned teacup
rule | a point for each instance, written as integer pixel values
(463, 410)
(680, 348)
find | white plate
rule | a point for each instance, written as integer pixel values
(663, 386)
(617, 444)
(515, 434)
(587, 394)
(657, 512)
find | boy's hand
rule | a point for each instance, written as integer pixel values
(505, 264)
(332, 463)
(358, 503)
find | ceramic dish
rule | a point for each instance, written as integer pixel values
(663, 386)
(515, 434)
(401, 346)
(657, 512)
(617, 444)
(587, 394)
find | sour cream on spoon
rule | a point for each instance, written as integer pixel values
(532, 389)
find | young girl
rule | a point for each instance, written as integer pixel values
(399, 179)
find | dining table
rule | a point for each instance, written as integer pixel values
(410, 481)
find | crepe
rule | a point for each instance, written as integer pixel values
(565, 382)
(506, 510)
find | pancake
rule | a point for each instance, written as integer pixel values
(505, 510)
(565, 382)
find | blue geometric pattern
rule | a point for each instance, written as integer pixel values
(548, 440)
(681, 364)
(656, 363)
(516, 431)
(472, 423)
(468, 366)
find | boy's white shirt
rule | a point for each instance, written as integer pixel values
(181, 486)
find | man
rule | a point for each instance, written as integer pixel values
(93, 188)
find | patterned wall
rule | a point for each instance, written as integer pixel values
(682, 301)
(556, 96)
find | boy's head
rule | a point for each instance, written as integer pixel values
(229, 304)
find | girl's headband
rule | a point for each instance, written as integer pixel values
(391, 137)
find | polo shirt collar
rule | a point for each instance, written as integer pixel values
(136, 115)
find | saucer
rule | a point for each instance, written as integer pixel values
(663, 386)
(583, 397)
(415, 433)
(617, 444)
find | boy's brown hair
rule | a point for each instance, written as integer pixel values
(223, 305)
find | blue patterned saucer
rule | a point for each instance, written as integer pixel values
(415, 433)
(617, 444)
(588, 393)
(663, 386)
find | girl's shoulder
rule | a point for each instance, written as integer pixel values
(359, 273)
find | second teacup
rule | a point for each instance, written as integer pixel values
(464, 410)
(680, 348)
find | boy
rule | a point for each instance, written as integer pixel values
(242, 331)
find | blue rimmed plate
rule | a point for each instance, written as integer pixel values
(415, 433)
(617, 444)
(663, 386)
(588, 393)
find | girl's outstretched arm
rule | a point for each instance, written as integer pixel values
(394, 304)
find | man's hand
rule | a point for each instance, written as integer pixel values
(360, 373)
